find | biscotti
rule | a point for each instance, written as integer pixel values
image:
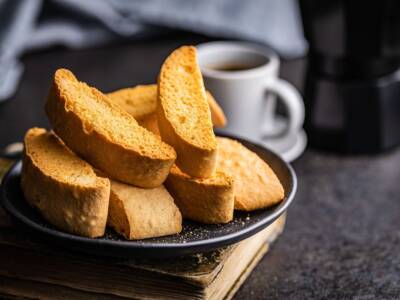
(256, 185)
(64, 188)
(218, 117)
(105, 135)
(209, 200)
(141, 102)
(183, 113)
(138, 213)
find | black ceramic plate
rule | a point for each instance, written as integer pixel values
(194, 238)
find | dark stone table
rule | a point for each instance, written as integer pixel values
(342, 238)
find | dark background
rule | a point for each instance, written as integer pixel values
(342, 238)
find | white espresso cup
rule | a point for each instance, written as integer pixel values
(243, 77)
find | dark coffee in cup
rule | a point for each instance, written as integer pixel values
(233, 67)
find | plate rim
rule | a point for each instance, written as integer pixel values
(212, 243)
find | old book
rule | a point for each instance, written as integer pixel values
(34, 270)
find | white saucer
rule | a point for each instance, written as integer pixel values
(290, 147)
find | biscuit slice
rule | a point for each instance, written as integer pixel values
(64, 188)
(256, 185)
(141, 102)
(209, 200)
(218, 117)
(138, 213)
(183, 113)
(105, 135)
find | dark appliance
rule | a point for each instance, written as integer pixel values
(352, 89)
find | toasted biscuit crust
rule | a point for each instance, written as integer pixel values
(256, 185)
(138, 213)
(64, 188)
(207, 200)
(183, 113)
(105, 135)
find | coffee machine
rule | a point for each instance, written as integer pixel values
(352, 88)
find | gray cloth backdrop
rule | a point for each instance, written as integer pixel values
(35, 24)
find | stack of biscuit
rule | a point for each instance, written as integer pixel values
(139, 159)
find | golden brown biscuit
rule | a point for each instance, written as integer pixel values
(183, 113)
(138, 213)
(256, 185)
(64, 188)
(105, 135)
(207, 200)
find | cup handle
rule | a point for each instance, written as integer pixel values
(294, 105)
